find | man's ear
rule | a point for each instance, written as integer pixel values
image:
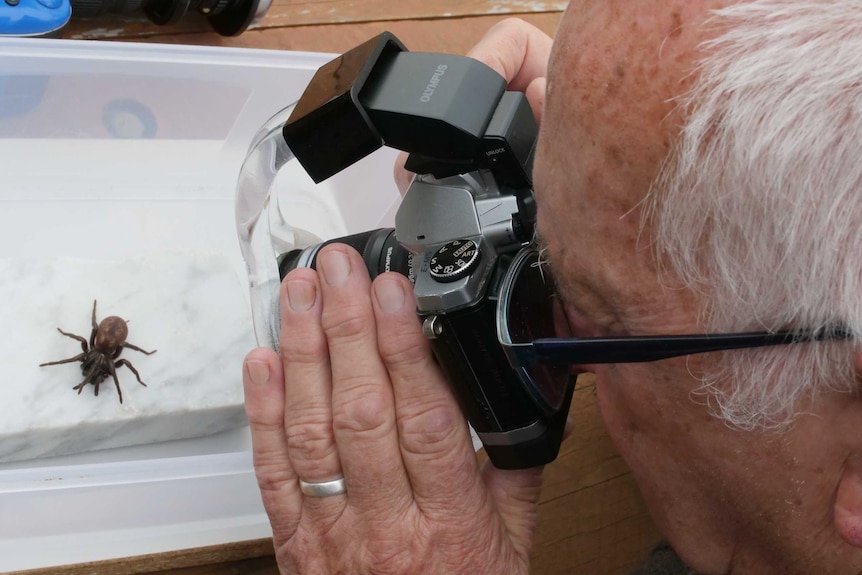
(848, 499)
(848, 502)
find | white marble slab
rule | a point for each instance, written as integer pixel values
(190, 306)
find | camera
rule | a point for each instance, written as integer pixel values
(467, 213)
(48, 17)
(227, 17)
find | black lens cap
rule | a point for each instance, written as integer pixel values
(234, 18)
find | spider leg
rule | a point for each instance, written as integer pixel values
(136, 348)
(77, 337)
(78, 357)
(113, 370)
(128, 364)
(89, 379)
(95, 327)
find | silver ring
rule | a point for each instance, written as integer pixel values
(325, 488)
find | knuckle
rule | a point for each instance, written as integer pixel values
(429, 429)
(405, 350)
(309, 435)
(308, 423)
(509, 31)
(272, 476)
(264, 419)
(510, 26)
(367, 411)
(347, 323)
(304, 349)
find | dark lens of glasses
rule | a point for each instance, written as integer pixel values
(534, 312)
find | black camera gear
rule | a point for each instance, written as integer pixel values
(227, 17)
(465, 216)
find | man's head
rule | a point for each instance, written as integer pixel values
(698, 172)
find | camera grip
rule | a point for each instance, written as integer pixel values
(515, 432)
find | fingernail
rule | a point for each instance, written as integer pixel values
(334, 266)
(301, 295)
(389, 295)
(258, 372)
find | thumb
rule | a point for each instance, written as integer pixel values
(535, 93)
(402, 176)
(516, 496)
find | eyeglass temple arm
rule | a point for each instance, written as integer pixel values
(591, 350)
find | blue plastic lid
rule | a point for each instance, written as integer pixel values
(33, 17)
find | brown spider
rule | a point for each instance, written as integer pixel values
(107, 341)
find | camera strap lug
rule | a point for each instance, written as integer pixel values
(432, 327)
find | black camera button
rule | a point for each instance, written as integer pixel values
(453, 261)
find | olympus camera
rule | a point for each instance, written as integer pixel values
(467, 214)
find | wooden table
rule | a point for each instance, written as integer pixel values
(592, 519)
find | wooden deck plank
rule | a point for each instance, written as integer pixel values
(296, 13)
(449, 36)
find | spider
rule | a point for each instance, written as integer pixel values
(107, 341)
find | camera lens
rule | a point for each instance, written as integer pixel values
(227, 17)
(164, 12)
(90, 8)
(232, 17)
(379, 249)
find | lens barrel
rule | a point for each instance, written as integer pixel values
(91, 8)
(227, 17)
(379, 248)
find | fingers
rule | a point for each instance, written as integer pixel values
(516, 50)
(264, 405)
(357, 389)
(307, 384)
(516, 498)
(363, 407)
(519, 52)
(435, 441)
(536, 97)
(402, 176)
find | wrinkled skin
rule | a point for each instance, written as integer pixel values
(355, 391)
(728, 501)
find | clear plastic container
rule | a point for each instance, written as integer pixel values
(86, 127)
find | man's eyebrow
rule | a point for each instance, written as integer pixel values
(562, 289)
(544, 263)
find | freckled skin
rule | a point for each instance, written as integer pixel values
(729, 501)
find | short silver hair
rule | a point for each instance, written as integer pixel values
(759, 206)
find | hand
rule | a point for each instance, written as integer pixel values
(519, 52)
(355, 392)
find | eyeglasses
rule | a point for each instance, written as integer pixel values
(535, 335)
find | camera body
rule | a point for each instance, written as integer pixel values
(467, 212)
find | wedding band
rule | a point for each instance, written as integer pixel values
(324, 489)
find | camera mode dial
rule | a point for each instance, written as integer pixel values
(454, 260)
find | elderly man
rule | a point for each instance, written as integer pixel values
(697, 172)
